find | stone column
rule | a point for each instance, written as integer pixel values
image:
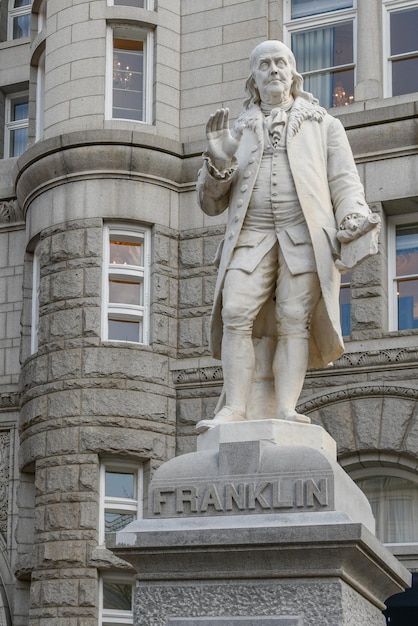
(369, 51)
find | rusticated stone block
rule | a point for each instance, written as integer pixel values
(54, 554)
(61, 516)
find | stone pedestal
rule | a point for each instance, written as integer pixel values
(260, 526)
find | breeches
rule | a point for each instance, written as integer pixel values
(245, 294)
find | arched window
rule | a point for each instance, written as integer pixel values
(394, 501)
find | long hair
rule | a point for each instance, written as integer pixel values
(253, 95)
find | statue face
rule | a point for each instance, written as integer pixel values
(273, 73)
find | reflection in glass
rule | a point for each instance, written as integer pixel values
(117, 521)
(404, 76)
(303, 8)
(403, 31)
(125, 330)
(345, 304)
(404, 51)
(18, 141)
(125, 292)
(117, 596)
(119, 485)
(407, 275)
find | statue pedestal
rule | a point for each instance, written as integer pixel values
(260, 526)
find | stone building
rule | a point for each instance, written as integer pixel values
(107, 277)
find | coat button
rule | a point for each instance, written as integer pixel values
(231, 236)
(240, 203)
(251, 161)
(244, 188)
(236, 219)
(254, 149)
(247, 174)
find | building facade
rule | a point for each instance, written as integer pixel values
(107, 277)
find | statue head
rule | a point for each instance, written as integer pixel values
(287, 82)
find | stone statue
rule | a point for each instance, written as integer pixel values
(286, 173)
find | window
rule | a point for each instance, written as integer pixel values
(403, 270)
(129, 95)
(116, 599)
(35, 301)
(19, 18)
(322, 35)
(17, 122)
(126, 287)
(121, 496)
(142, 4)
(40, 97)
(345, 304)
(394, 502)
(401, 46)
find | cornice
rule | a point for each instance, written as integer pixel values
(370, 360)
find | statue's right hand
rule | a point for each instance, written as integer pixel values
(221, 144)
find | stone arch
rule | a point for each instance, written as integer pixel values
(368, 417)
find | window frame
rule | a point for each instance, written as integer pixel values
(11, 125)
(130, 33)
(389, 7)
(12, 14)
(393, 222)
(118, 504)
(112, 617)
(128, 312)
(317, 21)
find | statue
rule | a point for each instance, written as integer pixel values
(286, 173)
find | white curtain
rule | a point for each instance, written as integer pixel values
(394, 502)
(314, 50)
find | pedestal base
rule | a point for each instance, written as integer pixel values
(259, 527)
(315, 569)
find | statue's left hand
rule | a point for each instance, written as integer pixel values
(356, 225)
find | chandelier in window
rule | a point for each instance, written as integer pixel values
(122, 75)
(340, 96)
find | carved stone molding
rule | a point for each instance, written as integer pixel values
(4, 479)
(10, 212)
(369, 359)
(9, 400)
(354, 392)
(197, 376)
(373, 358)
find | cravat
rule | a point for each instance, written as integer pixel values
(276, 125)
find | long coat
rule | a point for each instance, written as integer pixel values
(328, 188)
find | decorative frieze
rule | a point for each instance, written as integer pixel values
(4, 480)
(10, 212)
(362, 359)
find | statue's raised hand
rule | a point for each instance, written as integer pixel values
(222, 145)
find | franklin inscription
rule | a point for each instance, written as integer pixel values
(242, 497)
